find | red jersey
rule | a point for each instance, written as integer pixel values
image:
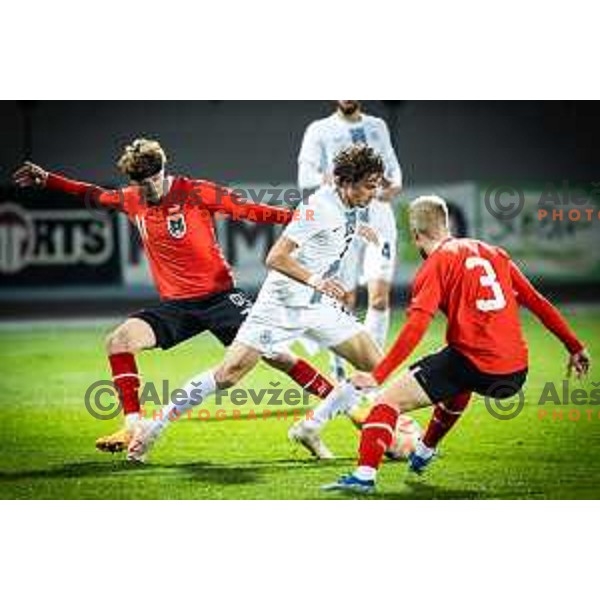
(479, 289)
(178, 232)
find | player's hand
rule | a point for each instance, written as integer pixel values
(369, 234)
(363, 381)
(331, 287)
(580, 362)
(334, 289)
(388, 191)
(30, 175)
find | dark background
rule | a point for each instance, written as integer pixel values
(258, 141)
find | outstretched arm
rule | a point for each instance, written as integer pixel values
(540, 306)
(530, 298)
(216, 199)
(31, 175)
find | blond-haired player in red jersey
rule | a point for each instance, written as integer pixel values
(479, 289)
(175, 218)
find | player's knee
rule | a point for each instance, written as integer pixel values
(368, 362)
(120, 340)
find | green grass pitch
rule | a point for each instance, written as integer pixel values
(47, 437)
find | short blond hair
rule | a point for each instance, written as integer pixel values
(141, 159)
(428, 215)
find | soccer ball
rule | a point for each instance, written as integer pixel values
(408, 432)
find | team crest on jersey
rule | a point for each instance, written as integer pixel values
(358, 135)
(176, 225)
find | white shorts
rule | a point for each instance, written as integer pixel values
(366, 262)
(271, 327)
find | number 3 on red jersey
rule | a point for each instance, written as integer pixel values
(489, 280)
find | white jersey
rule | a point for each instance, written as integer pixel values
(324, 139)
(324, 232)
(367, 261)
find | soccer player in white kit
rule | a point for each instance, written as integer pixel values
(300, 297)
(365, 262)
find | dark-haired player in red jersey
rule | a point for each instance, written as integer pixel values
(479, 289)
(175, 218)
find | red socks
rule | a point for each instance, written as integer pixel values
(126, 380)
(307, 377)
(444, 416)
(376, 435)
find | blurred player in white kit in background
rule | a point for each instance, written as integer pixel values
(365, 262)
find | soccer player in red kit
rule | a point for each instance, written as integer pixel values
(479, 289)
(175, 218)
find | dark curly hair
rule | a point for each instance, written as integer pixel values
(355, 163)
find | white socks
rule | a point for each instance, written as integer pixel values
(365, 473)
(423, 451)
(131, 419)
(341, 400)
(197, 389)
(377, 323)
